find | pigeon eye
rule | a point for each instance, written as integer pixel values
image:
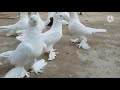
(60, 15)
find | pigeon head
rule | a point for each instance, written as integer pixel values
(65, 15)
(58, 16)
(33, 20)
(62, 15)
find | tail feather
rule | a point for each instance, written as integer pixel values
(93, 30)
(20, 31)
(5, 54)
(100, 30)
(6, 27)
(17, 72)
(3, 27)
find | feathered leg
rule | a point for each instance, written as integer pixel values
(52, 53)
(84, 43)
(76, 40)
(38, 66)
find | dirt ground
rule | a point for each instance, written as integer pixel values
(101, 61)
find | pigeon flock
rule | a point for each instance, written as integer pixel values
(38, 37)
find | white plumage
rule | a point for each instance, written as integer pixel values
(41, 24)
(64, 14)
(22, 24)
(52, 36)
(27, 51)
(17, 72)
(38, 66)
(77, 28)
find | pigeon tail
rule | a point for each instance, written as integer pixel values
(97, 30)
(17, 72)
(3, 27)
(5, 54)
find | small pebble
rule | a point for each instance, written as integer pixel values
(67, 53)
(95, 49)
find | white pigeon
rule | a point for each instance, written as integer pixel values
(52, 36)
(49, 21)
(66, 16)
(77, 28)
(22, 24)
(41, 24)
(26, 52)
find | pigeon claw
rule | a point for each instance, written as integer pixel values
(25, 73)
(38, 66)
(84, 45)
(52, 55)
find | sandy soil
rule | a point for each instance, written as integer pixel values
(101, 61)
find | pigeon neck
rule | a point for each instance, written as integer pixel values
(31, 29)
(40, 19)
(57, 22)
(73, 15)
(74, 18)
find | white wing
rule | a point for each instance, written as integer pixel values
(21, 54)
